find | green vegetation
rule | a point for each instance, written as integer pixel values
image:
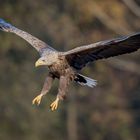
(110, 111)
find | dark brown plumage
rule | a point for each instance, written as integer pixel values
(65, 65)
(80, 56)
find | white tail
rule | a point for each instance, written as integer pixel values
(86, 81)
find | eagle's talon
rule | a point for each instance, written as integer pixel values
(37, 100)
(54, 105)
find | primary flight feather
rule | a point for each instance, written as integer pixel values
(65, 65)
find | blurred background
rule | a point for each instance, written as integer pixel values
(110, 111)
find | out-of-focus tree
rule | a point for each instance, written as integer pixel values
(109, 111)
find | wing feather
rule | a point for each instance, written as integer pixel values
(80, 56)
(39, 45)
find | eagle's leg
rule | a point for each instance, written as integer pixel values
(46, 87)
(63, 86)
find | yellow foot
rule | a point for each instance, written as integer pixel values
(37, 99)
(54, 104)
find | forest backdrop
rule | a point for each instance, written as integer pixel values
(110, 111)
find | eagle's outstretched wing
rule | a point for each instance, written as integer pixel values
(80, 56)
(35, 42)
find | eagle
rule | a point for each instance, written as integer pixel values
(65, 66)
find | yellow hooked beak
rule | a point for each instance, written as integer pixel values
(39, 63)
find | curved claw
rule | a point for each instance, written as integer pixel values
(37, 100)
(54, 105)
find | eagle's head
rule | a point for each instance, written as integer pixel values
(49, 58)
(41, 61)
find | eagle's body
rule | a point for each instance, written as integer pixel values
(60, 67)
(66, 65)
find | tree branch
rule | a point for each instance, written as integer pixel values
(108, 22)
(133, 6)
